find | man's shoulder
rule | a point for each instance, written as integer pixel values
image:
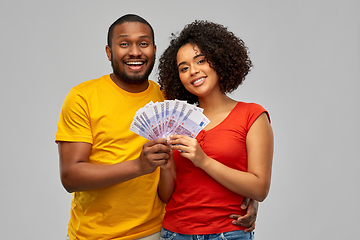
(153, 82)
(91, 84)
(156, 89)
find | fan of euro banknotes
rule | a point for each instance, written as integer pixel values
(162, 119)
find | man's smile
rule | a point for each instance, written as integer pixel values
(135, 65)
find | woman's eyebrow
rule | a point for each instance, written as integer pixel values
(195, 57)
(199, 55)
(181, 64)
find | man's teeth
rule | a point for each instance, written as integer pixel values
(134, 63)
(199, 80)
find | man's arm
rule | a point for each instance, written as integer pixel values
(248, 220)
(77, 174)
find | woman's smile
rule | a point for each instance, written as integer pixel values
(198, 81)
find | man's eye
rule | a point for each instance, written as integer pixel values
(124, 44)
(144, 44)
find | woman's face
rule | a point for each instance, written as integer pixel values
(195, 72)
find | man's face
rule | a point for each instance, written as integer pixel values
(132, 52)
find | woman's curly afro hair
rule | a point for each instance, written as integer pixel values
(226, 54)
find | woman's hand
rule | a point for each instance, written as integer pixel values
(189, 148)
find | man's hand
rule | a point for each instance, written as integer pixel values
(248, 220)
(78, 174)
(155, 153)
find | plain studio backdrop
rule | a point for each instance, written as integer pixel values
(306, 57)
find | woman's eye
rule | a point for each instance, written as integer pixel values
(201, 61)
(183, 69)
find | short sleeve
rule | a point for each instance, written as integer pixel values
(253, 112)
(74, 122)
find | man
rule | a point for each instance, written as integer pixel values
(112, 172)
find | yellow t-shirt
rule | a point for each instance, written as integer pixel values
(100, 113)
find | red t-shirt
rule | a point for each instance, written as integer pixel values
(199, 204)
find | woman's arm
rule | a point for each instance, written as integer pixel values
(254, 183)
(167, 180)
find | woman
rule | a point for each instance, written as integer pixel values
(232, 157)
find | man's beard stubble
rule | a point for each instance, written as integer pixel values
(136, 78)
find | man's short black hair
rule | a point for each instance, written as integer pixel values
(128, 18)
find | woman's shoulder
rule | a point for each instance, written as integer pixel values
(249, 106)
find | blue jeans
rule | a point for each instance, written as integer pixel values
(233, 235)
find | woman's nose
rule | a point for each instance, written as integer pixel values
(194, 70)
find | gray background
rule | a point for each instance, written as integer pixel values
(306, 57)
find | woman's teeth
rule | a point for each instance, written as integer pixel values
(199, 80)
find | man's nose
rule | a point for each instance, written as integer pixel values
(135, 50)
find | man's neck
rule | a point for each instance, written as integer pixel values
(133, 88)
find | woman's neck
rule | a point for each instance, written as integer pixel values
(217, 103)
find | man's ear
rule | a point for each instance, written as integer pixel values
(155, 51)
(108, 52)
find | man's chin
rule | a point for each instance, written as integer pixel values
(136, 80)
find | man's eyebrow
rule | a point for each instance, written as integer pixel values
(195, 57)
(126, 35)
(123, 36)
(145, 36)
